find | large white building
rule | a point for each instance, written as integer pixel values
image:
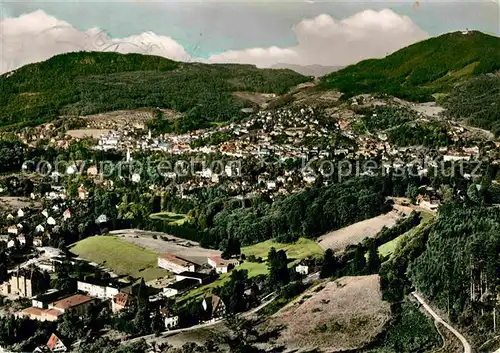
(175, 264)
(97, 289)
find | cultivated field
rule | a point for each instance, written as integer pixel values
(346, 314)
(84, 133)
(120, 256)
(184, 248)
(353, 234)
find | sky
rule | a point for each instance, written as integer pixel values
(263, 33)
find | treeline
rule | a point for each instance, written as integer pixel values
(87, 83)
(459, 270)
(429, 135)
(476, 101)
(455, 263)
(309, 213)
(385, 117)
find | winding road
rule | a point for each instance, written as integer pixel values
(467, 346)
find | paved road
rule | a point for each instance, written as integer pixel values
(467, 346)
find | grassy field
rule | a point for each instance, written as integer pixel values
(301, 249)
(119, 256)
(298, 250)
(389, 247)
(172, 218)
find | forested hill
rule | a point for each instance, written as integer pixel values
(420, 70)
(92, 82)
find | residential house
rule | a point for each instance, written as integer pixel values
(67, 214)
(10, 217)
(21, 239)
(136, 178)
(55, 344)
(82, 193)
(213, 307)
(171, 321)
(20, 213)
(180, 287)
(92, 170)
(302, 269)
(37, 241)
(175, 264)
(121, 301)
(12, 230)
(39, 229)
(97, 288)
(101, 219)
(51, 221)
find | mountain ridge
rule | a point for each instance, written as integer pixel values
(423, 69)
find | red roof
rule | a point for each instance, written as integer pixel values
(53, 340)
(52, 312)
(34, 311)
(72, 301)
(121, 299)
(176, 260)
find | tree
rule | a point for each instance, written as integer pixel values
(330, 264)
(233, 292)
(359, 262)
(373, 262)
(277, 264)
(232, 247)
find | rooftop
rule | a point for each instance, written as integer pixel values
(176, 260)
(72, 301)
(184, 284)
(198, 275)
(33, 311)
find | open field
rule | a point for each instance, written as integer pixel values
(14, 202)
(298, 250)
(389, 247)
(346, 314)
(83, 133)
(172, 218)
(186, 249)
(119, 256)
(353, 234)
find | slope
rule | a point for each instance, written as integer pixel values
(92, 82)
(420, 70)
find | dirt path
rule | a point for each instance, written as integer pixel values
(466, 345)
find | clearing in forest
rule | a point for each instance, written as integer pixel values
(339, 239)
(346, 314)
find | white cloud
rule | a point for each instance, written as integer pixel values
(321, 40)
(326, 41)
(36, 36)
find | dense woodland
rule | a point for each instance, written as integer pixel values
(476, 101)
(85, 83)
(422, 69)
